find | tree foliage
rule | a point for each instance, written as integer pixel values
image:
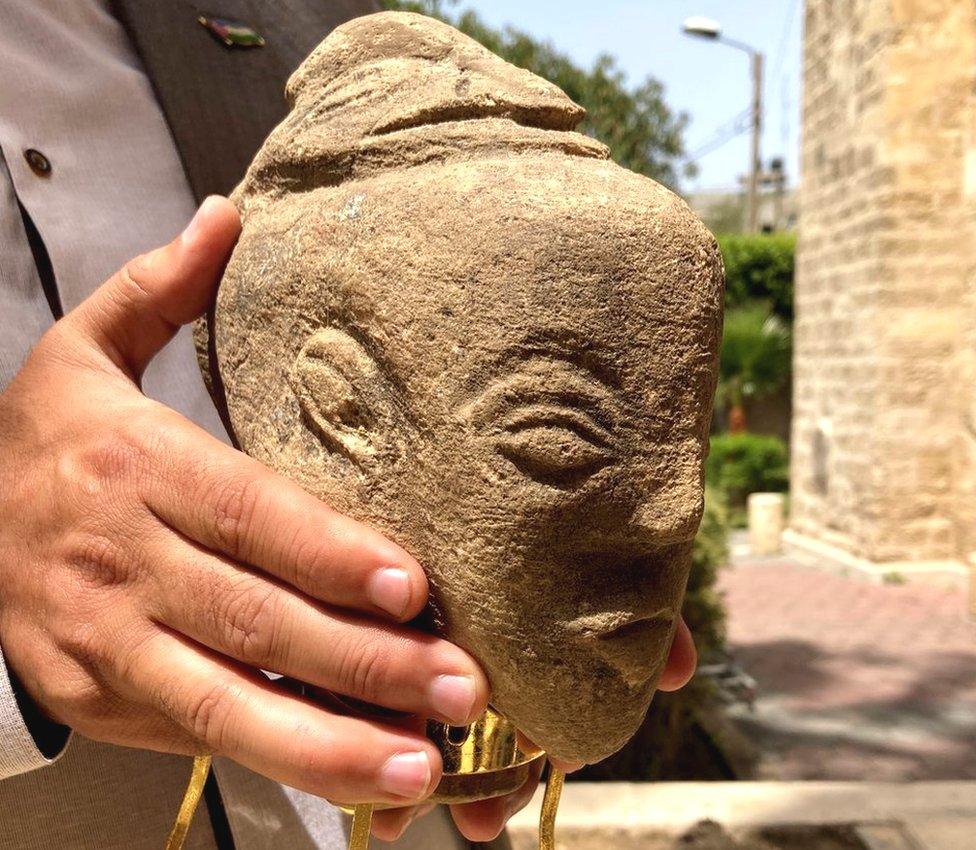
(740, 464)
(756, 354)
(725, 215)
(642, 132)
(759, 267)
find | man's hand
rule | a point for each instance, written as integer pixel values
(149, 571)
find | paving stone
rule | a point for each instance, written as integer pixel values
(857, 680)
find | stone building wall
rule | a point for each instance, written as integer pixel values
(884, 448)
(964, 469)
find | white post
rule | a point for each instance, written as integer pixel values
(766, 516)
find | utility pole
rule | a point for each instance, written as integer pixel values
(757, 115)
(701, 27)
(777, 178)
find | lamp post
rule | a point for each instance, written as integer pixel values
(701, 27)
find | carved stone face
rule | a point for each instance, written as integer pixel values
(495, 345)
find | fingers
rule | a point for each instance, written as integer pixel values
(145, 730)
(136, 312)
(682, 660)
(390, 824)
(240, 715)
(482, 820)
(235, 505)
(485, 819)
(264, 624)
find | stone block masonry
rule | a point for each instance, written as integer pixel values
(884, 428)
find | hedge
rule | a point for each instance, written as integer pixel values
(759, 267)
(740, 464)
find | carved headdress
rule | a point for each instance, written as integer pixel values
(400, 89)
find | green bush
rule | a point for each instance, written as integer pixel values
(673, 742)
(740, 464)
(759, 267)
(703, 609)
(756, 360)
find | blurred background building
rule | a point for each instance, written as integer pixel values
(725, 210)
(883, 450)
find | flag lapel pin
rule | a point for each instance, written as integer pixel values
(231, 33)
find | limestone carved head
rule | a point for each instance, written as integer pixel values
(453, 317)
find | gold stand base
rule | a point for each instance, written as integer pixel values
(486, 759)
(362, 817)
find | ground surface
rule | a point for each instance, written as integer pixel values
(709, 835)
(856, 680)
(757, 816)
(706, 836)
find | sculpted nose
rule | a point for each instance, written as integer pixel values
(670, 517)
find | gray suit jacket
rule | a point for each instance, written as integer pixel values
(219, 103)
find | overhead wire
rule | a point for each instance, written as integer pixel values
(786, 95)
(722, 135)
(742, 123)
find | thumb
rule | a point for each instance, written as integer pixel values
(131, 316)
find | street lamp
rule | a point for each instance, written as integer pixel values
(701, 27)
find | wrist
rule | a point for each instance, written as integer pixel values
(49, 736)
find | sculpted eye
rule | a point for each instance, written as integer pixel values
(555, 447)
(556, 421)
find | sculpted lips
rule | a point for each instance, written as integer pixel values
(629, 642)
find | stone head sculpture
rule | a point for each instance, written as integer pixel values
(453, 317)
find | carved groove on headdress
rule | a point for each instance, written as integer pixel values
(396, 90)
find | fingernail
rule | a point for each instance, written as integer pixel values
(191, 230)
(453, 697)
(406, 775)
(389, 589)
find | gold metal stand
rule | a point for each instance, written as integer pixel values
(487, 759)
(550, 804)
(191, 799)
(363, 817)
(362, 820)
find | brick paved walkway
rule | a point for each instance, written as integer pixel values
(857, 680)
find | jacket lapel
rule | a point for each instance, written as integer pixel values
(221, 102)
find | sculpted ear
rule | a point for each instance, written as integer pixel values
(341, 394)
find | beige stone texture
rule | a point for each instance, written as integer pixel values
(453, 317)
(883, 453)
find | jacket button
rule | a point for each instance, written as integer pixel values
(38, 163)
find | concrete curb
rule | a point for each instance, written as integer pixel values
(927, 815)
(825, 553)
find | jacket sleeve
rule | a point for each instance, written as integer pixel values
(28, 740)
